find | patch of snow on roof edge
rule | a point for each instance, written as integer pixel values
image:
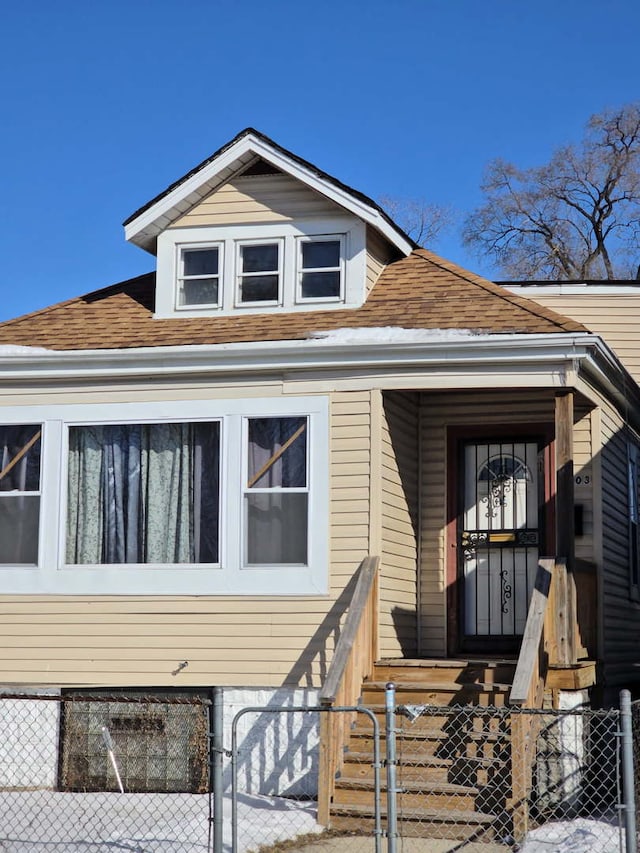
(389, 335)
(15, 349)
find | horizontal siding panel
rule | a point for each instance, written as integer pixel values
(264, 198)
(398, 501)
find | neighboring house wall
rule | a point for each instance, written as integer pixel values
(620, 613)
(264, 641)
(259, 198)
(482, 409)
(616, 317)
(399, 524)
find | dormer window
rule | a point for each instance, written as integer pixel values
(259, 272)
(199, 275)
(320, 268)
(267, 267)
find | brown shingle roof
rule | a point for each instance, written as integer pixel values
(421, 291)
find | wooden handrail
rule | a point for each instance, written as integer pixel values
(364, 586)
(353, 660)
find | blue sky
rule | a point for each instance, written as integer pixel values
(106, 103)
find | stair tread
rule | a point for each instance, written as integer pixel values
(346, 783)
(434, 734)
(427, 686)
(432, 815)
(425, 761)
(435, 663)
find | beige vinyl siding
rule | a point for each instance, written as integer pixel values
(399, 522)
(616, 317)
(259, 198)
(242, 641)
(620, 614)
(584, 469)
(379, 254)
(438, 412)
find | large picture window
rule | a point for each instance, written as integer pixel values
(143, 493)
(222, 496)
(19, 493)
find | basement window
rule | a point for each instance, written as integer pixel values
(159, 747)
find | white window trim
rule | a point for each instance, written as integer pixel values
(352, 232)
(52, 576)
(320, 238)
(239, 274)
(178, 264)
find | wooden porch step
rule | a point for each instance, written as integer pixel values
(473, 744)
(438, 670)
(441, 694)
(418, 767)
(425, 793)
(423, 823)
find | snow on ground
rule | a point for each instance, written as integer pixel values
(57, 822)
(574, 836)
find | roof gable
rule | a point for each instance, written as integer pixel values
(251, 150)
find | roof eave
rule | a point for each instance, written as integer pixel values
(306, 355)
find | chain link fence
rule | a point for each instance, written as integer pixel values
(463, 778)
(85, 773)
(510, 778)
(92, 773)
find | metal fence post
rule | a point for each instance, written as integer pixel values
(390, 727)
(217, 747)
(628, 786)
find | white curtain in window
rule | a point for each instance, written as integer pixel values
(143, 493)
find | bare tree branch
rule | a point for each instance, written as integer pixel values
(578, 216)
(422, 221)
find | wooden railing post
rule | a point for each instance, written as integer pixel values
(565, 523)
(563, 619)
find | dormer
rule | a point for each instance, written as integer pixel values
(255, 229)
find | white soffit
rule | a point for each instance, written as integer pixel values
(144, 229)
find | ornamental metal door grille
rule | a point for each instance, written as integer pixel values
(499, 536)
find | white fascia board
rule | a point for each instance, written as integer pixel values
(558, 289)
(260, 358)
(146, 222)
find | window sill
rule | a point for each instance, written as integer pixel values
(152, 581)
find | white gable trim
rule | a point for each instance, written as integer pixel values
(145, 228)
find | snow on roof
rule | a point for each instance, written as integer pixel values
(14, 349)
(390, 335)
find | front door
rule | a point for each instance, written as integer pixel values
(498, 540)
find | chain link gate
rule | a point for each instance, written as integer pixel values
(452, 780)
(293, 807)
